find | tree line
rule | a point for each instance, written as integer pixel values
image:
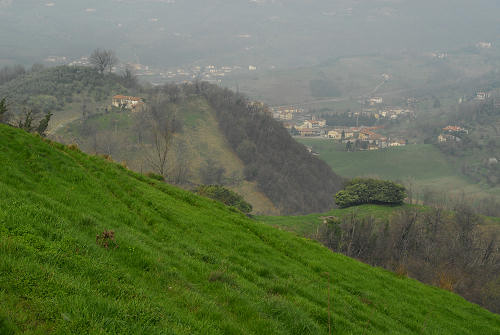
(449, 249)
(294, 180)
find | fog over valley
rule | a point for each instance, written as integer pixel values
(265, 167)
(239, 32)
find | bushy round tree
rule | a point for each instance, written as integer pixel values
(360, 191)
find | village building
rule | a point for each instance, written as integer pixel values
(335, 134)
(127, 102)
(375, 101)
(398, 143)
(314, 124)
(448, 138)
(455, 129)
(484, 45)
(481, 96)
(308, 132)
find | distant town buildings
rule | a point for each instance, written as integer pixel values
(286, 113)
(440, 55)
(300, 123)
(157, 76)
(55, 59)
(314, 124)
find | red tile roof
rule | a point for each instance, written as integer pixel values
(125, 97)
(452, 128)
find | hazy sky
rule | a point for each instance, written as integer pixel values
(267, 32)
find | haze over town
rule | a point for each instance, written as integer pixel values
(250, 166)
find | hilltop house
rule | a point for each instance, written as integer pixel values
(455, 129)
(450, 134)
(123, 101)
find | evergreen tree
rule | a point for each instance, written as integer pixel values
(44, 123)
(3, 109)
(26, 124)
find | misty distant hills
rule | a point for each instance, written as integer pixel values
(267, 33)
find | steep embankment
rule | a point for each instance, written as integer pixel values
(183, 263)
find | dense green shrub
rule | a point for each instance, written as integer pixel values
(155, 176)
(225, 196)
(364, 191)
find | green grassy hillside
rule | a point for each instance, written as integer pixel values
(183, 265)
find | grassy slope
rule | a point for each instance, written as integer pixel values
(423, 164)
(55, 279)
(203, 141)
(306, 225)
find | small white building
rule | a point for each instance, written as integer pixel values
(375, 101)
(484, 45)
(127, 102)
(481, 96)
(335, 134)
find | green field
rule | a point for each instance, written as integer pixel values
(421, 164)
(182, 265)
(421, 161)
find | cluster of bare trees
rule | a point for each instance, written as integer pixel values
(155, 129)
(452, 250)
(27, 120)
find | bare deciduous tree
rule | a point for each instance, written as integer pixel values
(129, 77)
(103, 60)
(179, 170)
(159, 121)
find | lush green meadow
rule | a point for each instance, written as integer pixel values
(182, 265)
(421, 161)
(423, 165)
